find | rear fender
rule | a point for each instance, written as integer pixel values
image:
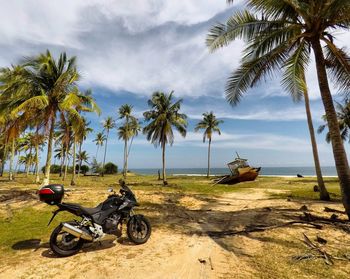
(54, 213)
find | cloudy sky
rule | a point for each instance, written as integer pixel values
(128, 49)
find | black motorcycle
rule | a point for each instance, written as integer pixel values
(100, 223)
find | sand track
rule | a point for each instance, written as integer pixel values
(180, 249)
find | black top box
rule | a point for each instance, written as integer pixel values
(51, 194)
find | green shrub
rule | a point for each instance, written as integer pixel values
(110, 168)
(53, 169)
(84, 169)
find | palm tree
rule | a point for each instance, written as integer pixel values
(80, 125)
(282, 38)
(108, 124)
(127, 131)
(100, 139)
(210, 125)
(343, 115)
(82, 156)
(85, 130)
(162, 117)
(46, 85)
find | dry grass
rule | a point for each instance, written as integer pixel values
(180, 214)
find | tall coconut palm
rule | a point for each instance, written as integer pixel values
(210, 125)
(162, 117)
(47, 86)
(85, 130)
(282, 38)
(100, 139)
(324, 195)
(80, 125)
(127, 130)
(343, 115)
(82, 156)
(108, 124)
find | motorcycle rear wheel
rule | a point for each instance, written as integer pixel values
(139, 229)
(64, 244)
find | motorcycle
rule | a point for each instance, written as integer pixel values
(100, 223)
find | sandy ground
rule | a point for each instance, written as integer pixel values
(182, 248)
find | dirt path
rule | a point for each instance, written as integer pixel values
(182, 250)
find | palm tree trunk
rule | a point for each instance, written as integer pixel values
(323, 191)
(80, 161)
(97, 152)
(17, 163)
(29, 161)
(12, 159)
(208, 172)
(125, 157)
(63, 157)
(341, 161)
(3, 161)
(163, 161)
(104, 157)
(37, 176)
(49, 152)
(66, 159)
(72, 183)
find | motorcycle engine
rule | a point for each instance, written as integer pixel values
(111, 225)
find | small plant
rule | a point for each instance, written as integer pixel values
(53, 169)
(84, 169)
(110, 168)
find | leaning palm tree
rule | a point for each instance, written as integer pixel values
(127, 131)
(282, 38)
(100, 139)
(210, 125)
(343, 115)
(162, 117)
(108, 124)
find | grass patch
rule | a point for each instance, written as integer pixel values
(27, 224)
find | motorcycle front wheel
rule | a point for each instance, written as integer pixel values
(64, 244)
(139, 229)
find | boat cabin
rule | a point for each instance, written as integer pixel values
(237, 163)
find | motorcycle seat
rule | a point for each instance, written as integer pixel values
(85, 210)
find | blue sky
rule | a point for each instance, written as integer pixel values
(128, 49)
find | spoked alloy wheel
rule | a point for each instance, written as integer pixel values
(139, 229)
(64, 244)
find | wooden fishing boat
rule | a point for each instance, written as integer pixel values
(240, 172)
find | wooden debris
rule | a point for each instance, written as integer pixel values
(257, 228)
(327, 209)
(211, 264)
(321, 240)
(314, 247)
(202, 261)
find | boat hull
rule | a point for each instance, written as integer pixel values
(244, 174)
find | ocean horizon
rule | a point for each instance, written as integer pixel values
(266, 171)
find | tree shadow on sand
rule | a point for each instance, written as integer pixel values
(216, 215)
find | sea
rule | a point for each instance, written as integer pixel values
(265, 171)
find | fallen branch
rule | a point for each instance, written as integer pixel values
(258, 228)
(334, 221)
(327, 209)
(318, 253)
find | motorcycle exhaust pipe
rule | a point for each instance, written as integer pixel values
(76, 232)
